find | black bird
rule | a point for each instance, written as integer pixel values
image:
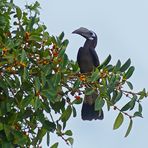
(87, 59)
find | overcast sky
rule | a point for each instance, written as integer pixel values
(122, 29)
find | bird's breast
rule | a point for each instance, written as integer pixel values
(85, 62)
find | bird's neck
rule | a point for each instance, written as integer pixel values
(90, 43)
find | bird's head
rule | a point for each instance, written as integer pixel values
(88, 34)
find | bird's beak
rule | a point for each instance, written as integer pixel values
(78, 31)
(83, 32)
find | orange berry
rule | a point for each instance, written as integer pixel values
(55, 54)
(82, 77)
(27, 35)
(77, 97)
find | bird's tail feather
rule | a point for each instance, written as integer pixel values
(88, 109)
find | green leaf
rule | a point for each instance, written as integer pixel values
(117, 67)
(107, 60)
(65, 44)
(23, 56)
(31, 22)
(41, 133)
(142, 94)
(49, 94)
(126, 65)
(126, 106)
(57, 79)
(113, 79)
(119, 120)
(129, 73)
(36, 38)
(99, 103)
(19, 138)
(138, 114)
(129, 128)
(37, 84)
(61, 36)
(74, 112)
(61, 53)
(55, 145)
(130, 85)
(77, 84)
(50, 126)
(25, 102)
(66, 114)
(109, 68)
(95, 76)
(115, 93)
(118, 97)
(37, 103)
(65, 62)
(48, 138)
(133, 101)
(25, 74)
(2, 20)
(140, 108)
(68, 133)
(70, 139)
(19, 13)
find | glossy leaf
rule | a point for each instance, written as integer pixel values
(70, 140)
(23, 56)
(117, 66)
(119, 120)
(129, 128)
(140, 108)
(130, 85)
(126, 65)
(133, 102)
(61, 53)
(138, 114)
(48, 138)
(118, 97)
(74, 112)
(19, 13)
(77, 84)
(67, 113)
(99, 103)
(95, 76)
(129, 73)
(57, 79)
(68, 133)
(55, 145)
(126, 106)
(34, 37)
(37, 84)
(107, 60)
(61, 36)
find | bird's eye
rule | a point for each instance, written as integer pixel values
(92, 34)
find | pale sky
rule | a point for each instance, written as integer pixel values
(122, 29)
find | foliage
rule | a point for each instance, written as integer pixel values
(40, 86)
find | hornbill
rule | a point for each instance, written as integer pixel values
(87, 59)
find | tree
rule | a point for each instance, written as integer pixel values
(40, 86)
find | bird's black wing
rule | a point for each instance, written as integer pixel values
(79, 55)
(95, 57)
